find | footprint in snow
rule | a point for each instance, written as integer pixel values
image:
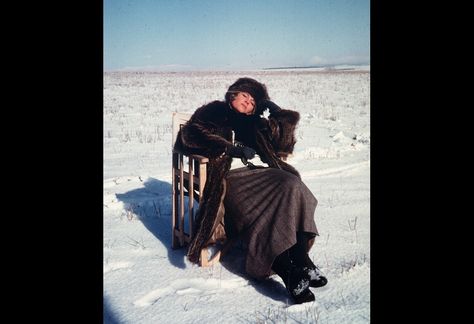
(192, 286)
(116, 265)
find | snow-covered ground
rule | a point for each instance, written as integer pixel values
(145, 281)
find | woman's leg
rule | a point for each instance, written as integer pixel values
(266, 207)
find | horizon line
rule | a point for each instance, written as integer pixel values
(171, 69)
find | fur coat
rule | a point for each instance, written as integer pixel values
(208, 133)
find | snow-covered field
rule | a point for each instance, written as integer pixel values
(145, 281)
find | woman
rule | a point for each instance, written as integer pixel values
(267, 205)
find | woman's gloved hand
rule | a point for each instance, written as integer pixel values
(241, 152)
(272, 107)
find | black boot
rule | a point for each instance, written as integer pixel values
(316, 276)
(299, 255)
(295, 279)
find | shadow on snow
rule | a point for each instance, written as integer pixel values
(109, 316)
(151, 204)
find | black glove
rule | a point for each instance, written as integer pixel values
(241, 152)
(272, 107)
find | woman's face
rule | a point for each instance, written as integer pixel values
(244, 103)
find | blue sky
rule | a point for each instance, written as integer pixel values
(233, 35)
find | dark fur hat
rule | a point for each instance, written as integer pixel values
(256, 89)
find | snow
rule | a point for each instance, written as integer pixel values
(145, 281)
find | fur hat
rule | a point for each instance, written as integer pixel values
(256, 89)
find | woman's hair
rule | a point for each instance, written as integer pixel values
(232, 95)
